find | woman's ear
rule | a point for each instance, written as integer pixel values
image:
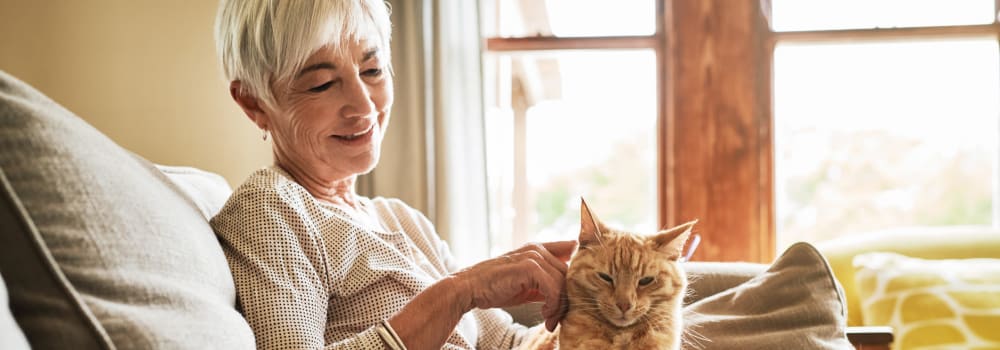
(250, 105)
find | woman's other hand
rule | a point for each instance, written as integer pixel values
(535, 272)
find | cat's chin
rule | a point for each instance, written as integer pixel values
(620, 322)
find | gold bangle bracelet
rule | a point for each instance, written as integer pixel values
(390, 337)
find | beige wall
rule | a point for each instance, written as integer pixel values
(143, 72)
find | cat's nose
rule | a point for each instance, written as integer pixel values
(624, 306)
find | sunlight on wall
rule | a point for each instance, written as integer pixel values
(144, 73)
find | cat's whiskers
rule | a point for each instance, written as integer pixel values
(578, 305)
(659, 328)
(659, 316)
(588, 301)
(606, 291)
(587, 305)
(691, 337)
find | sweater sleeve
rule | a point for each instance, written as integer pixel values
(495, 327)
(278, 269)
(281, 274)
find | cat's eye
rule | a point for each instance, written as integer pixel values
(605, 277)
(645, 281)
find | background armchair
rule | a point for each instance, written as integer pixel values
(921, 317)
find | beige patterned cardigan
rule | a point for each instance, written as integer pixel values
(311, 275)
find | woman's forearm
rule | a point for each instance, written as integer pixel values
(535, 272)
(427, 320)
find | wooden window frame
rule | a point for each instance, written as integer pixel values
(969, 31)
(704, 171)
(714, 112)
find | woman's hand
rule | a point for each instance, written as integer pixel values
(535, 272)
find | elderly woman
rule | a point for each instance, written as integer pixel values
(315, 264)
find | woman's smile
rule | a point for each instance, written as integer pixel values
(357, 138)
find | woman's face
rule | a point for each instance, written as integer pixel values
(332, 117)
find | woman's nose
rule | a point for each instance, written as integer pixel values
(358, 99)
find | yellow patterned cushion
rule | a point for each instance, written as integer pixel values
(931, 304)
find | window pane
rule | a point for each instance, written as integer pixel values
(790, 15)
(568, 18)
(881, 135)
(566, 125)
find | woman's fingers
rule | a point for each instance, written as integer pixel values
(547, 262)
(550, 284)
(548, 278)
(561, 249)
(544, 253)
(555, 254)
(555, 306)
(535, 272)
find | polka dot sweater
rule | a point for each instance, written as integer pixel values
(311, 275)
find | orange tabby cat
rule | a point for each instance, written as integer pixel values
(625, 290)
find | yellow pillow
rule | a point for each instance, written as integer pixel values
(931, 304)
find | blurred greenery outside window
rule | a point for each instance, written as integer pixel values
(878, 131)
(879, 120)
(569, 123)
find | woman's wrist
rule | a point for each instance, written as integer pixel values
(460, 292)
(432, 315)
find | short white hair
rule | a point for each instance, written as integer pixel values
(265, 41)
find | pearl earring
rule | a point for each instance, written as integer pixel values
(265, 135)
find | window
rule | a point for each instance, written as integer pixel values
(571, 112)
(776, 120)
(658, 112)
(826, 15)
(886, 114)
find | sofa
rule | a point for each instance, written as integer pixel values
(102, 249)
(935, 286)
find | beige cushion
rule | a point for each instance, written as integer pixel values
(207, 190)
(706, 278)
(140, 256)
(795, 304)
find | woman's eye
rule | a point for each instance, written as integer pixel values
(374, 72)
(605, 277)
(645, 281)
(321, 88)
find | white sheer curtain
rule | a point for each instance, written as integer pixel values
(433, 154)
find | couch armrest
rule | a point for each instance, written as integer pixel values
(706, 279)
(870, 338)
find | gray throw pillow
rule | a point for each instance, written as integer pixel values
(795, 304)
(134, 253)
(41, 298)
(708, 278)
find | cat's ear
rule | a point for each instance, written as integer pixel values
(671, 242)
(590, 227)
